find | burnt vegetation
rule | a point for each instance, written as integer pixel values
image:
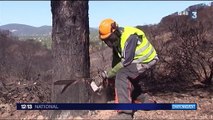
(185, 50)
(25, 70)
(23, 59)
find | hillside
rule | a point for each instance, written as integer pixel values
(22, 30)
(27, 30)
(42, 34)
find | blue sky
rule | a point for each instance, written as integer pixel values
(37, 13)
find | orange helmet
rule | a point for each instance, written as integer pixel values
(107, 27)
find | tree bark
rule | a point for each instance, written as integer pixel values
(70, 36)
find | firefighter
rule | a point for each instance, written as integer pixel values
(132, 55)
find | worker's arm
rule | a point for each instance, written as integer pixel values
(129, 49)
(111, 73)
(128, 55)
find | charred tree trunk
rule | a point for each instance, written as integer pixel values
(70, 36)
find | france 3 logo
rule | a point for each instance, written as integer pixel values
(26, 106)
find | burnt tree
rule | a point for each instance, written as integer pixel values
(70, 36)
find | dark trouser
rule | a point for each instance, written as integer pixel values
(123, 84)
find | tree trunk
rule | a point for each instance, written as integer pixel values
(70, 36)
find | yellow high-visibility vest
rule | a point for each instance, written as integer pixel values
(144, 52)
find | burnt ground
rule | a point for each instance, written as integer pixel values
(12, 92)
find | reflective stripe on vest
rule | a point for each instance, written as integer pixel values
(142, 49)
(139, 60)
(138, 51)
